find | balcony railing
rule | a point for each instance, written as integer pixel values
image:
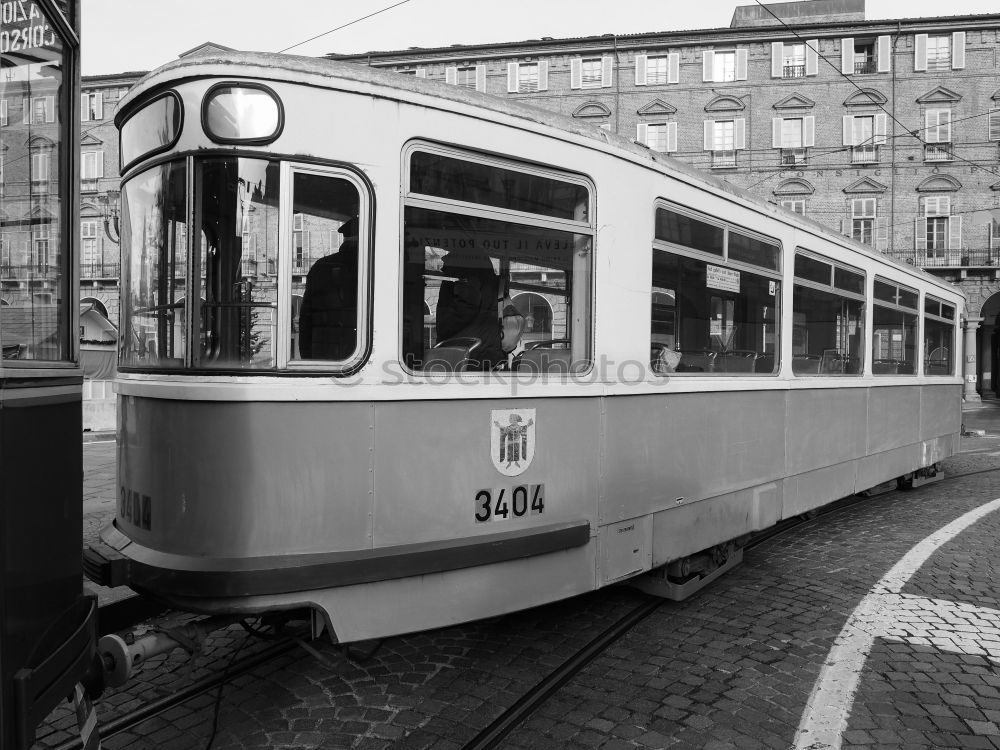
(937, 152)
(791, 156)
(27, 271)
(100, 270)
(968, 258)
(793, 71)
(867, 65)
(723, 158)
(864, 154)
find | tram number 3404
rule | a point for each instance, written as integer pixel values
(505, 503)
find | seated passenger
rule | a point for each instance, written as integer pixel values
(328, 319)
(512, 325)
(468, 307)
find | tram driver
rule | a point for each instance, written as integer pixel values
(328, 320)
(467, 307)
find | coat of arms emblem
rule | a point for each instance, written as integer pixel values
(512, 440)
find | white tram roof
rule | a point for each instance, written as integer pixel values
(330, 73)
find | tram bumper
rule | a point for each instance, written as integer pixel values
(105, 566)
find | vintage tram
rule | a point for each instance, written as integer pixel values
(318, 408)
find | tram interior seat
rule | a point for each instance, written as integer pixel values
(736, 360)
(764, 364)
(806, 364)
(451, 355)
(12, 351)
(697, 360)
(831, 362)
(552, 356)
(663, 359)
(885, 367)
(937, 367)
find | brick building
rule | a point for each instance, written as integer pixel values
(887, 130)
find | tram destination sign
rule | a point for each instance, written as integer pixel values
(24, 26)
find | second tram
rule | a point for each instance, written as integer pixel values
(409, 355)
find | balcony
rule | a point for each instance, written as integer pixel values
(868, 65)
(99, 271)
(722, 159)
(966, 258)
(792, 156)
(864, 154)
(938, 152)
(793, 71)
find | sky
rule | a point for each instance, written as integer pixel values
(138, 35)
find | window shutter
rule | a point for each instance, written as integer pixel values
(955, 233)
(451, 75)
(741, 65)
(709, 135)
(576, 73)
(50, 109)
(884, 55)
(640, 70)
(480, 78)
(25, 110)
(847, 56)
(98, 164)
(84, 108)
(776, 123)
(607, 71)
(930, 131)
(3, 116)
(845, 227)
(920, 52)
(881, 121)
(641, 132)
(99, 105)
(994, 134)
(543, 75)
(958, 50)
(674, 67)
(671, 136)
(707, 63)
(812, 57)
(777, 51)
(421, 72)
(808, 131)
(849, 130)
(920, 234)
(947, 130)
(741, 133)
(512, 78)
(881, 234)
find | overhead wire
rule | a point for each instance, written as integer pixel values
(344, 26)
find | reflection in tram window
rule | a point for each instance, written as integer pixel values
(894, 336)
(463, 262)
(325, 238)
(462, 284)
(939, 337)
(237, 206)
(154, 273)
(712, 319)
(828, 312)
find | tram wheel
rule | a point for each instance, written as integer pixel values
(905, 483)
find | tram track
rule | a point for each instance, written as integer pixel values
(511, 718)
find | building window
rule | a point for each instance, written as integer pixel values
(658, 136)
(864, 134)
(527, 78)
(938, 232)
(89, 258)
(40, 252)
(591, 73)
(300, 240)
(795, 205)
(864, 56)
(92, 168)
(793, 135)
(40, 168)
(863, 220)
(92, 107)
(793, 61)
(466, 77)
(724, 138)
(657, 69)
(937, 135)
(3, 112)
(724, 67)
(938, 52)
(6, 268)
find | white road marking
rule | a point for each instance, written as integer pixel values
(886, 613)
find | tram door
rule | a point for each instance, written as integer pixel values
(47, 626)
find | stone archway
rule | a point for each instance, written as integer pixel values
(988, 347)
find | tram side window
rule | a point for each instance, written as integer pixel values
(828, 313)
(894, 335)
(154, 270)
(237, 210)
(708, 318)
(939, 337)
(468, 270)
(325, 269)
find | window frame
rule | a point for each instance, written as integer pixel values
(916, 312)
(939, 318)
(588, 227)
